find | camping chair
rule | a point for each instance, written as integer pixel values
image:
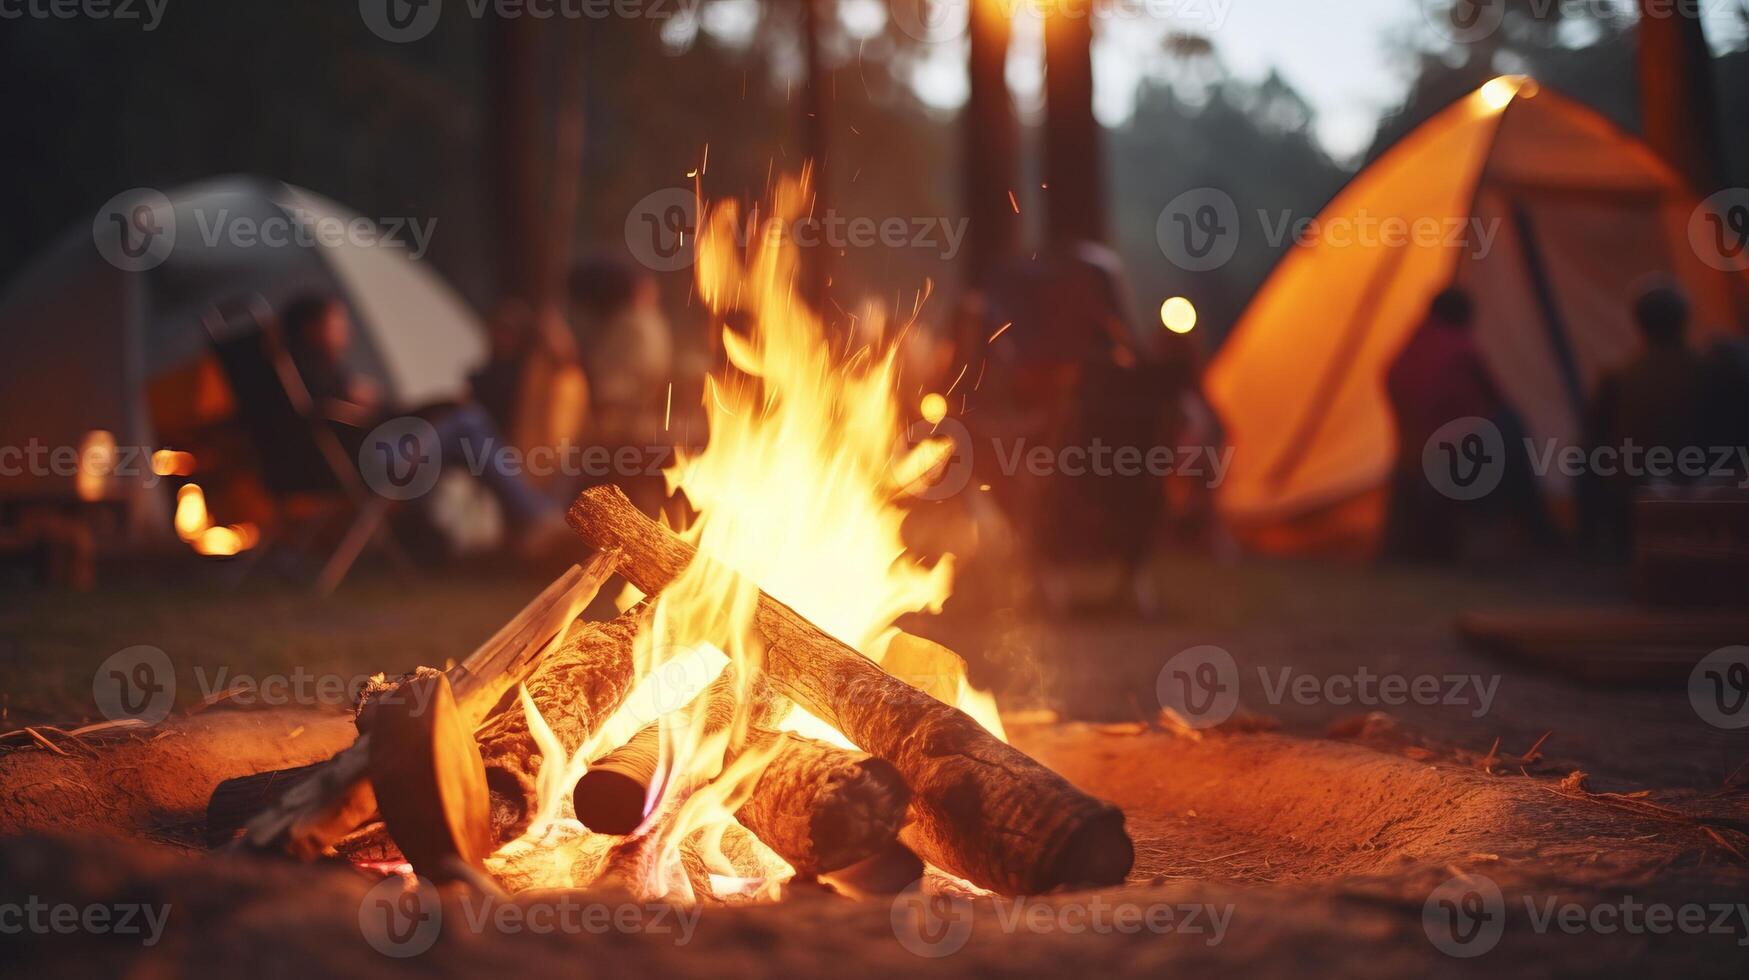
(302, 464)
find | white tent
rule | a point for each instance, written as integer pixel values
(81, 335)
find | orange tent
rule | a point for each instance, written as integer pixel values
(1549, 215)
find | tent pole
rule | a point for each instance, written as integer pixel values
(1553, 323)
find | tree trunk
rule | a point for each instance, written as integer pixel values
(816, 262)
(1678, 105)
(990, 145)
(516, 164)
(1075, 195)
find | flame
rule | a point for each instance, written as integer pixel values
(801, 490)
(194, 525)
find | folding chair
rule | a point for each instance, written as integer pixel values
(301, 461)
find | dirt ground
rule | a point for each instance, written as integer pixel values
(1371, 839)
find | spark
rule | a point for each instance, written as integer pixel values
(958, 379)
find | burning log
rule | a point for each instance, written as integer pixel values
(819, 807)
(981, 809)
(578, 687)
(335, 797)
(611, 798)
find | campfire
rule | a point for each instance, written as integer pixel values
(753, 715)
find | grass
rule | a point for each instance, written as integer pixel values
(52, 643)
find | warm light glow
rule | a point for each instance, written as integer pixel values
(169, 462)
(1178, 315)
(1499, 92)
(194, 525)
(191, 516)
(934, 408)
(798, 491)
(96, 463)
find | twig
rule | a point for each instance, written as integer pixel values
(45, 743)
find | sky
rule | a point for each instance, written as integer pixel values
(1339, 54)
(1339, 63)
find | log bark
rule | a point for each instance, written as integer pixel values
(236, 801)
(336, 798)
(980, 808)
(820, 807)
(578, 687)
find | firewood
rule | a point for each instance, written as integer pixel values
(238, 800)
(610, 798)
(336, 798)
(820, 807)
(577, 688)
(430, 783)
(817, 806)
(981, 809)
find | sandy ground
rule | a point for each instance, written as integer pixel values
(1370, 839)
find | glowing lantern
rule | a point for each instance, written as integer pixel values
(1178, 315)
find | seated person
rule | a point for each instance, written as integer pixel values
(1658, 399)
(319, 335)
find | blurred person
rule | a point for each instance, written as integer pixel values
(1657, 399)
(510, 341)
(318, 332)
(1101, 392)
(1438, 378)
(1727, 393)
(532, 384)
(627, 349)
